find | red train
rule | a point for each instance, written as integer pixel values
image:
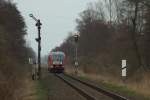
(56, 61)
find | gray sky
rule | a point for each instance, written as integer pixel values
(57, 16)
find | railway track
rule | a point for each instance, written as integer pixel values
(88, 90)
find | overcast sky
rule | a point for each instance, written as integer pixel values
(57, 16)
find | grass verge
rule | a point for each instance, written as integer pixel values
(116, 88)
(123, 90)
(41, 91)
(119, 89)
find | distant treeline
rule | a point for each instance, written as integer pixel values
(14, 53)
(109, 32)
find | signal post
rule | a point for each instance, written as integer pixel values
(76, 39)
(38, 25)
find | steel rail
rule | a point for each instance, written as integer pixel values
(105, 92)
(82, 92)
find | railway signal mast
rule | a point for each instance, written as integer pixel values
(38, 25)
(76, 39)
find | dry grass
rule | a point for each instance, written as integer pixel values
(14, 85)
(142, 85)
(29, 90)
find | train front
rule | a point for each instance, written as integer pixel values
(56, 61)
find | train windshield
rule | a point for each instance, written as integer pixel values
(57, 57)
(61, 57)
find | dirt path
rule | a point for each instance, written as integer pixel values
(58, 90)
